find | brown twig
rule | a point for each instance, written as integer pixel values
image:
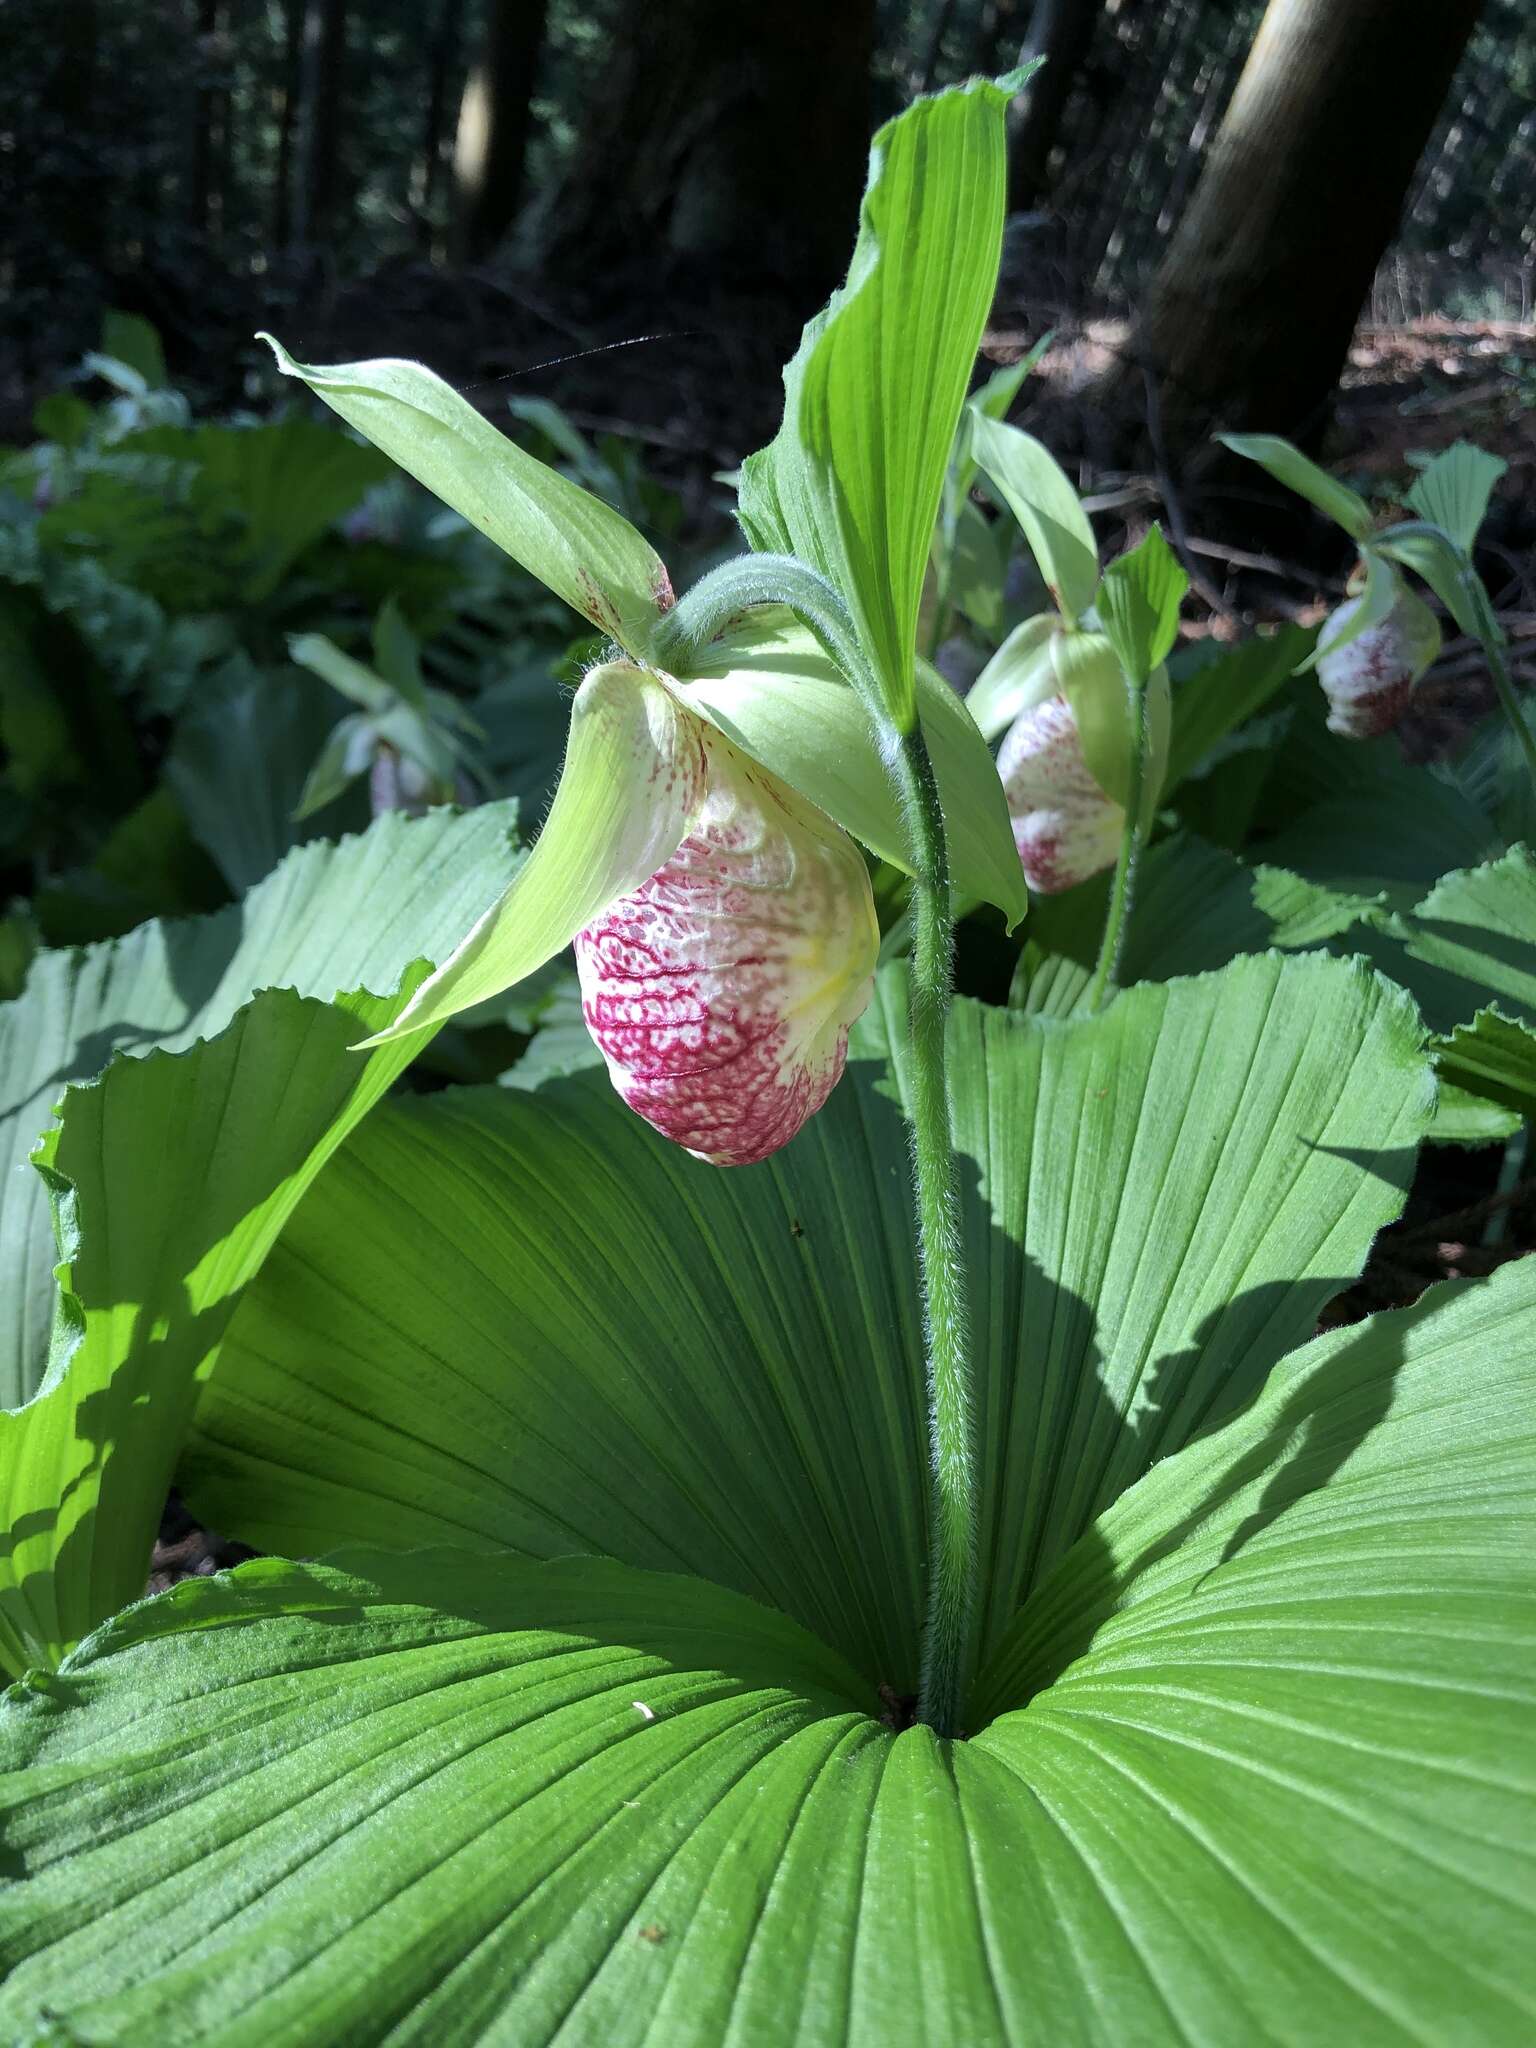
(1268, 565)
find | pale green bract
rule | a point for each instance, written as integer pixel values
(1033, 486)
(1288, 466)
(585, 551)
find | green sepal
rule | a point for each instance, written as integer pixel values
(1434, 558)
(769, 687)
(579, 547)
(352, 678)
(1019, 675)
(1036, 490)
(1288, 466)
(1090, 677)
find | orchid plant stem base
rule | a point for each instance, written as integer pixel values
(949, 1635)
(1117, 915)
(1498, 668)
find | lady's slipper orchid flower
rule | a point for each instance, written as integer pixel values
(1369, 679)
(724, 927)
(696, 850)
(1064, 825)
(1059, 697)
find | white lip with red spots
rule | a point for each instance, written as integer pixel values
(721, 991)
(1369, 680)
(1064, 826)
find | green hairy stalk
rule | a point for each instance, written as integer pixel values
(948, 1641)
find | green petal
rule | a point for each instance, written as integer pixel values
(627, 793)
(1020, 675)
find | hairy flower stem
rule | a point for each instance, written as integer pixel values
(949, 1637)
(949, 1646)
(1117, 916)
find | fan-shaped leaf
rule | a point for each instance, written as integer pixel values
(527, 1322)
(329, 918)
(1259, 1771)
(172, 1175)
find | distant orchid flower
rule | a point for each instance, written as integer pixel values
(1064, 826)
(1041, 684)
(1369, 680)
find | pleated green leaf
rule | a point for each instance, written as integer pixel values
(1138, 604)
(852, 481)
(1453, 490)
(328, 918)
(1472, 938)
(1259, 1770)
(1195, 907)
(1216, 689)
(528, 1323)
(1492, 1058)
(174, 1172)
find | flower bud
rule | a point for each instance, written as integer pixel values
(1368, 680)
(1064, 826)
(721, 991)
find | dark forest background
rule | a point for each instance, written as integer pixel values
(497, 184)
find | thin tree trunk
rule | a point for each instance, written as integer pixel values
(494, 124)
(1252, 310)
(1060, 31)
(445, 51)
(205, 117)
(323, 69)
(287, 107)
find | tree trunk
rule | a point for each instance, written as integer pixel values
(1060, 32)
(444, 57)
(323, 67)
(741, 153)
(494, 122)
(1251, 312)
